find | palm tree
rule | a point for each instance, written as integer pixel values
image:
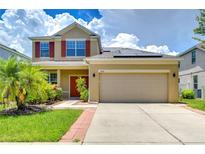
(18, 78)
(9, 78)
(32, 80)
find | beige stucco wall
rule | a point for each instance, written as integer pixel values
(64, 79)
(172, 81)
(74, 33)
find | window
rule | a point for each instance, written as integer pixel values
(80, 48)
(70, 48)
(75, 48)
(179, 65)
(193, 57)
(44, 49)
(199, 93)
(52, 78)
(195, 82)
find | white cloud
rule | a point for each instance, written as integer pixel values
(17, 25)
(164, 49)
(123, 40)
(131, 41)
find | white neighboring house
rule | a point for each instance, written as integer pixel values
(6, 52)
(192, 70)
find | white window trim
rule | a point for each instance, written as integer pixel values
(48, 50)
(80, 39)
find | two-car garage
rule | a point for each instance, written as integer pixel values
(124, 80)
(133, 87)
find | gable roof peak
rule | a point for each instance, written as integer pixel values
(73, 25)
(200, 46)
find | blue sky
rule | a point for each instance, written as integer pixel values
(85, 14)
(167, 31)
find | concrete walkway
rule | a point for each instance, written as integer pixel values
(145, 124)
(75, 104)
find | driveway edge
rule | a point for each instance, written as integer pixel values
(79, 129)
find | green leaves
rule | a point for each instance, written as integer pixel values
(82, 89)
(201, 26)
(19, 78)
(9, 79)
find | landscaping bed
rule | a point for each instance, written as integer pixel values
(25, 111)
(47, 126)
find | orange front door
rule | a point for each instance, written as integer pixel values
(73, 87)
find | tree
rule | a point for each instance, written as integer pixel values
(201, 26)
(31, 80)
(18, 78)
(9, 78)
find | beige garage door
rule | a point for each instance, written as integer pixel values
(133, 87)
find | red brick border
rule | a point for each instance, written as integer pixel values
(78, 130)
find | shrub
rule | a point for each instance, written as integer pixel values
(188, 94)
(82, 89)
(45, 94)
(84, 95)
(59, 93)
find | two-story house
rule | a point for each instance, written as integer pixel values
(6, 52)
(62, 55)
(192, 70)
(112, 75)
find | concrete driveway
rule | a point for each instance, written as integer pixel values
(123, 123)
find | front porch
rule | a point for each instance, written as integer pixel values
(64, 74)
(66, 80)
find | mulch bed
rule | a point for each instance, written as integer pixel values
(27, 110)
(50, 102)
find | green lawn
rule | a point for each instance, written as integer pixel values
(42, 127)
(195, 103)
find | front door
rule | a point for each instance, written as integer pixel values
(73, 85)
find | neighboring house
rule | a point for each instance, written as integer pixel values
(6, 52)
(112, 74)
(192, 70)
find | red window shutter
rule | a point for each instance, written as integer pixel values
(87, 48)
(37, 49)
(51, 49)
(63, 48)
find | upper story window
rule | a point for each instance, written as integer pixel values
(75, 48)
(193, 57)
(44, 49)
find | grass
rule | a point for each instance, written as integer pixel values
(195, 103)
(42, 127)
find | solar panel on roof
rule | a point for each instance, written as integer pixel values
(133, 55)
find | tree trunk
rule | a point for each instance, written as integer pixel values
(19, 104)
